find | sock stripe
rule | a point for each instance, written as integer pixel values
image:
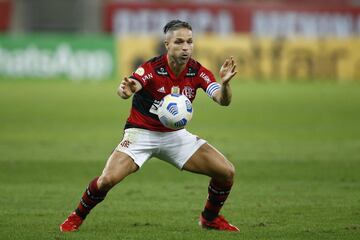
(83, 203)
(93, 196)
(218, 192)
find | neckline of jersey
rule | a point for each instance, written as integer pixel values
(171, 73)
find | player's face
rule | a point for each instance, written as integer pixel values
(179, 44)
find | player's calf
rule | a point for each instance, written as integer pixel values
(90, 198)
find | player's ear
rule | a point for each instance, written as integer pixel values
(166, 43)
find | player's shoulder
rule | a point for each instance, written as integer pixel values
(157, 65)
(156, 61)
(197, 65)
(196, 68)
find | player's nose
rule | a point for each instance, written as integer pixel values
(185, 47)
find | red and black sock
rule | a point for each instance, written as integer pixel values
(218, 193)
(91, 197)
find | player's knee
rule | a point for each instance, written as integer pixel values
(230, 173)
(106, 182)
(226, 174)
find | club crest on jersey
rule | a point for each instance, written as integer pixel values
(162, 71)
(140, 71)
(189, 92)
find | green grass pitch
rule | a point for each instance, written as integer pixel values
(296, 148)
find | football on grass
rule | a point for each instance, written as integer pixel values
(175, 111)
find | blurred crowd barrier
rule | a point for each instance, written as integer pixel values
(277, 40)
(260, 18)
(262, 59)
(104, 57)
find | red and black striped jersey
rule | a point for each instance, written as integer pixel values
(157, 81)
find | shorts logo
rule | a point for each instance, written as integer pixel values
(140, 71)
(189, 92)
(125, 144)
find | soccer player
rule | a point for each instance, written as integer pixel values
(145, 136)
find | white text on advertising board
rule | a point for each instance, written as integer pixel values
(148, 21)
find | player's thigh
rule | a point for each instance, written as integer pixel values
(209, 161)
(118, 166)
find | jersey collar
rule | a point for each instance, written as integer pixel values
(172, 75)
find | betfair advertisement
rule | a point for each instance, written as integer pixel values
(57, 57)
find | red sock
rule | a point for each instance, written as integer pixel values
(218, 193)
(90, 198)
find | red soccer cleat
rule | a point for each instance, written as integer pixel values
(219, 223)
(72, 223)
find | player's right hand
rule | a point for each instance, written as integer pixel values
(127, 88)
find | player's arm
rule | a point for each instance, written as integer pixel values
(128, 87)
(227, 71)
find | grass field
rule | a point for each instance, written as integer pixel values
(296, 148)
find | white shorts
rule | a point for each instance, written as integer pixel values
(173, 147)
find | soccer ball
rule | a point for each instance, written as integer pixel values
(175, 111)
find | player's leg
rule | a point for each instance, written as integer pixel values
(118, 166)
(209, 161)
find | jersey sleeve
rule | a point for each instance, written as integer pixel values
(208, 82)
(143, 74)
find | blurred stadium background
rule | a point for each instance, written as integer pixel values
(292, 130)
(273, 40)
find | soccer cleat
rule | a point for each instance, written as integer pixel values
(72, 223)
(218, 223)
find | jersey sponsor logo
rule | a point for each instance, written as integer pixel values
(191, 72)
(205, 77)
(154, 107)
(189, 92)
(140, 71)
(162, 90)
(162, 71)
(147, 77)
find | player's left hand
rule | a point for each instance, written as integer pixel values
(227, 70)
